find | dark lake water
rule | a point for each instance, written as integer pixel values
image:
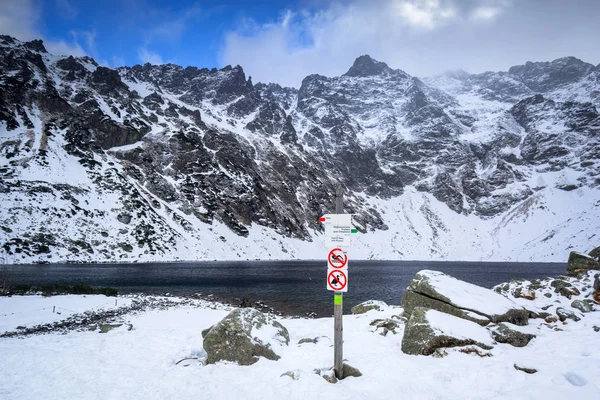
(292, 287)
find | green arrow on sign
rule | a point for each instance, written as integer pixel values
(354, 230)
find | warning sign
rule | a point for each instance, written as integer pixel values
(337, 280)
(337, 258)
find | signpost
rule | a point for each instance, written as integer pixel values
(338, 231)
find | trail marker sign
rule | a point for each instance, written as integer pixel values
(337, 279)
(338, 229)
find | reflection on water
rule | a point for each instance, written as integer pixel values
(293, 287)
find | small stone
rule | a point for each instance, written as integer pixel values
(105, 328)
(551, 319)
(564, 314)
(292, 374)
(348, 370)
(526, 370)
(308, 340)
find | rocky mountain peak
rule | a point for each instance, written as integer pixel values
(544, 76)
(366, 66)
(36, 45)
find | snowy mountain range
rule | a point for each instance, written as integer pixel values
(161, 162)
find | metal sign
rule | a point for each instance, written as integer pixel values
(337, 258)
(337, 280)
(338, 229)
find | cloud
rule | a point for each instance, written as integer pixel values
(408, 34)
(62, 48)
(485, 13)
(19, 18)
(427, 14)
(147, 56)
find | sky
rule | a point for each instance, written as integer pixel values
(284, 41)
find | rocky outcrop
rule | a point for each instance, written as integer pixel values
(244, 336)
(578, 261)
(428, 330)
(438, 291)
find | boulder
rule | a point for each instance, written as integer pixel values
(368, 306)
(503, 334)
(428, 330)
(585, 306)
(564, 314)
(578, 261)
(595, 254)
(243, 336)
(438, 291)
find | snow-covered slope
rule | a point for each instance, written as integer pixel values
(164, 162)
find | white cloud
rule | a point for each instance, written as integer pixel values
(62, 48)
(147, 56)
(485, 13)
(408, 34)
(427, 14)
(19, 18)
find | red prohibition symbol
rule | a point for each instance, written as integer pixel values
(337, 280)
(337, 258)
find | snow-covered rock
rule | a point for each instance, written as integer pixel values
(368, 306)
(428, 330)
(244, 336)
(578, 261)
(436, 290)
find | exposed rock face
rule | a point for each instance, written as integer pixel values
(435, 290)
(244, 336)
(194, 154)
(578, 261)
(428, 330)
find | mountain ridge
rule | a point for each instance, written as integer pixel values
(188, 163)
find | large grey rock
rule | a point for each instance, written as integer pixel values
(368, 306)
(503, 334)
(438, 291)
(428, 330)
(243, 336)
(579, 261)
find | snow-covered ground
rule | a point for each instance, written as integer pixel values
(142, 363)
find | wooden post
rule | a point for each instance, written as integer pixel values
(338, 333)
